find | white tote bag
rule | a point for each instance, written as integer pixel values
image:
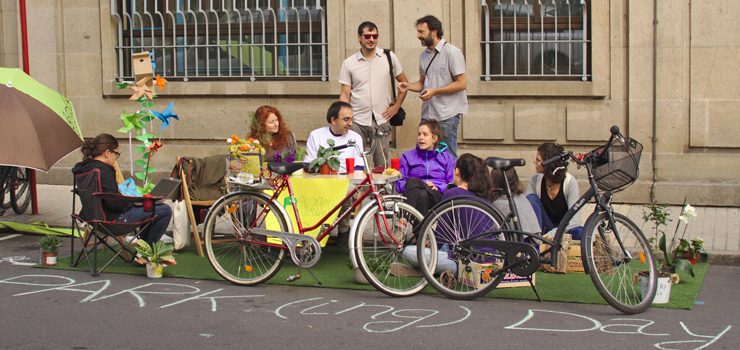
(180, 227)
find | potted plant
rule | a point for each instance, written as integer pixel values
(155, 257)
(670, 254)
(327, 159)
(49, 245)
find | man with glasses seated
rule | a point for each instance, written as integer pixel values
(339, 117)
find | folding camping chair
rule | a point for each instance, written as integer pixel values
(92, 223)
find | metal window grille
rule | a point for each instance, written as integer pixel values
(224, 39)
(536, 40)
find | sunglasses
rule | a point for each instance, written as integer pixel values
(370, 36)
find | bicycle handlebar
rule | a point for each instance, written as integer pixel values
(341, 147)
(581, 158)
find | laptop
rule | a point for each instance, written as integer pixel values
(165, 187)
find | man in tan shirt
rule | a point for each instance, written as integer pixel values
(366, 85)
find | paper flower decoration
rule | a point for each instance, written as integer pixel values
(166, 115)
(153, 147)
(160, 82)
(141, 91)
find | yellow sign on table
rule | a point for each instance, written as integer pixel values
(315, 197)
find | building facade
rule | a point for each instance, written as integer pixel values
(665, 71)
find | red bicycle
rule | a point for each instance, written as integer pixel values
(248, 232)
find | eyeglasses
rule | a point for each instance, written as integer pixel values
(118, 154)
(370, 36)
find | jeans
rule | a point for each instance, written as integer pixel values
(156, 229)
(382, 134)
(449, 128)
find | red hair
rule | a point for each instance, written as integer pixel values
(257, 129)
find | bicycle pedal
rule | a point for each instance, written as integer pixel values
(293, 278)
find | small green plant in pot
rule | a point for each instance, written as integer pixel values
(326, 157)
(49, 245)
(155, 257)
(676, 253)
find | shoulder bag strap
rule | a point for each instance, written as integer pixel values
(390, 65)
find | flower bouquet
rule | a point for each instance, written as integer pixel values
(245, 159)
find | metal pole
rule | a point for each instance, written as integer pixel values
(24, 50)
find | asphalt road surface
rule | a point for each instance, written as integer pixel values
(53, 309)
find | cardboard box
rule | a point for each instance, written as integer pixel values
(477, 277)
(142, 66)
(575, 263)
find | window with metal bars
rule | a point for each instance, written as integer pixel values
(224, 39)
(536, 40)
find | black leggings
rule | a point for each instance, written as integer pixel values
(420, 196)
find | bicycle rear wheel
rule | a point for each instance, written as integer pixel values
(614, 273)
(5, 174)
(237, 255)
(383, 262)
(453, 265)
(19, 186)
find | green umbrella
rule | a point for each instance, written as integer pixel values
(39, 126)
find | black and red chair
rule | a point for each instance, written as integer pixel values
(93, 225)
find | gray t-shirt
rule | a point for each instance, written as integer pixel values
(527, 217)
(448, 64)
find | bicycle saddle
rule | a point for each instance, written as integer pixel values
(504, 163)
(284, 168)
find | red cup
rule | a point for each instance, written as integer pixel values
(396, 163)
(148, 203)
(350, 165)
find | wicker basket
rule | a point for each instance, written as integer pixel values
(245, 168)
(620, 166)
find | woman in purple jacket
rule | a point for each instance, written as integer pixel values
(427, 169)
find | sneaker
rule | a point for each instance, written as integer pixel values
(403, 270)
(405, 230)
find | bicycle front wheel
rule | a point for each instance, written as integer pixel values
(381, 260)
(20, 189)
(454, 265)
(235, 253)
(614, 271)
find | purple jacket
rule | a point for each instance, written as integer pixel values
(434, 166)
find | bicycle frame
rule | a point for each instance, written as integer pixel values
(368, 188)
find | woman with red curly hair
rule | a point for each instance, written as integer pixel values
(269, 127)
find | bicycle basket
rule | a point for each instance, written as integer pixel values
(245, 168)
(619, 167)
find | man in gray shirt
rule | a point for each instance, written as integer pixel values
(442, 81)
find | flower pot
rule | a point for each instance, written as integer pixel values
(663, 292)
(324, 169)
(359, 277)
(668, 269)
(154, 270)
(48, 258)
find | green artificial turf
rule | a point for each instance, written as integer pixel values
(333, 272)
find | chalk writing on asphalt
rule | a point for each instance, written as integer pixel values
(541, 320)
(18, 260)
(381, 318)
(384, 318)
(98, 290)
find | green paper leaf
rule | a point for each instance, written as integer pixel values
(142, 138)
(151, 169)
(140, 163)
(140, 149)
(123, 85)
(140, 175)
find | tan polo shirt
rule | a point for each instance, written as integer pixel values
(371, 85)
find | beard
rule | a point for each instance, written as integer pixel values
(427, 41)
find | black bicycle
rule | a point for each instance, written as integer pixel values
(15, 186)
(466, 247)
